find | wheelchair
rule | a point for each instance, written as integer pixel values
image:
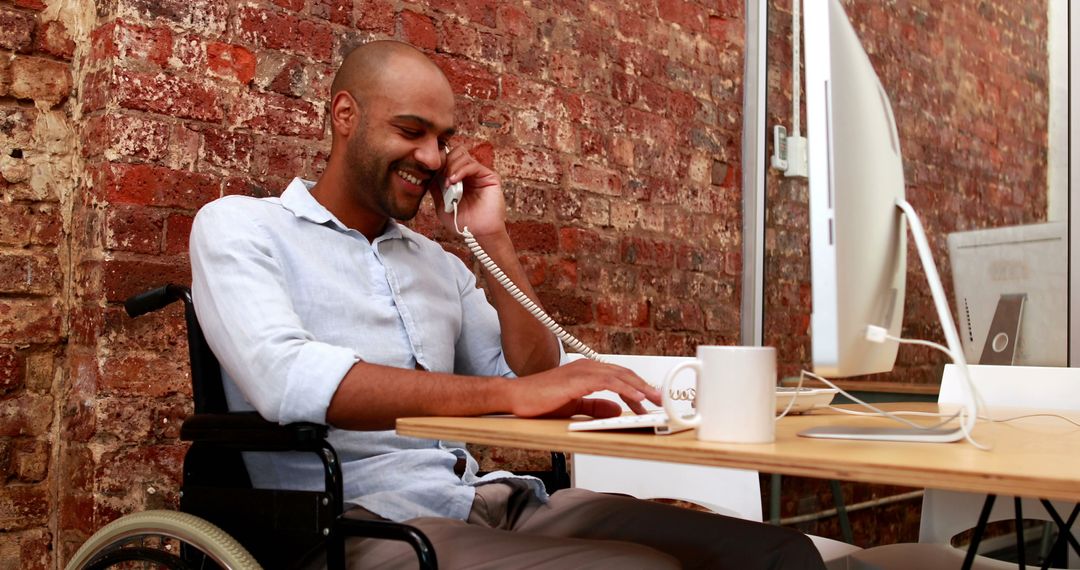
(223, 521)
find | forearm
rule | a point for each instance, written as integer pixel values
(372, 396)
(528, 345)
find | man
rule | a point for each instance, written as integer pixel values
(322, 308)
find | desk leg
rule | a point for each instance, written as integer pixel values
(1063, 527)
(976, 537)
(774, 499)
(1018, 513)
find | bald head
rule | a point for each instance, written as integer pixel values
(370, 67)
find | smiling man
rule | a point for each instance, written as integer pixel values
(322, 308)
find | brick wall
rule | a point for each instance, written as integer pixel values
(37, 182)
(616, 130)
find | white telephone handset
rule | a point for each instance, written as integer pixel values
(451, 197)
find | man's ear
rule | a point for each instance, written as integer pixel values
(344, 112)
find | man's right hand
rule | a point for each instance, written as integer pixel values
(560, 392)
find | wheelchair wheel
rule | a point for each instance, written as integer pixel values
(162, 539)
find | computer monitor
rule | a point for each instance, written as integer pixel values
(1011, 286)
(857, 234)
(858, 223)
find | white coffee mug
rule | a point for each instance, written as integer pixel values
(736, 394)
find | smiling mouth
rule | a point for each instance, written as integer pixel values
(411, 179)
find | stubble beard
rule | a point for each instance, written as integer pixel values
(372, 179)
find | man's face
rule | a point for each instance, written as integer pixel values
(398, 146)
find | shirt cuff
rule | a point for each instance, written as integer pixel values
(312, 381)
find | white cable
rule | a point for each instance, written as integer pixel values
(970, 411)
(521, 297)
(878, 411)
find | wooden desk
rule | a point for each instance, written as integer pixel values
(1033, 457)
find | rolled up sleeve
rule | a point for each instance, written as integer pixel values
(244, 309)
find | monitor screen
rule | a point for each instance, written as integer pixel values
(857, 234)
(1010, 283)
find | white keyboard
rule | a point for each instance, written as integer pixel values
(809, 398)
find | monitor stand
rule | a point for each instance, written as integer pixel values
(936, 435)
(1004, 332)
(952, 339)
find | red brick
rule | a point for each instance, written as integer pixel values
(279, 115)
(568, 309)
(246, 187)
(78, 422)
(621, 312)
(479, 11)
(123, 278)
(642, 251)
(29, 321)
(40, 80)
(177, 233)
(12, 370)
(689, 16)
(281, 73)
(121, 135)
(294, 5)
(227, 149)
(122, 41)
(53, 38)
(528, 164)
(24, 506)
(208, 17)
(462, 39)
(595, 180)
(16, 30)
(25, 414)
(155, 186)
(31, 461)
(135, 229)
(38, 5)
(128, 473)
(375, 16)
(159, 332)
(165, 94)
(678, 316)
(275, 30)
(231, 61)
(29, 224)
(29, 274)
(337, 11)
(29, 549)
(513, 20)
(138, 419)
(469, 79)
(418, 30)
(279, 159)
(533, 236)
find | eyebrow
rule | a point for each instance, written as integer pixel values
(427, 124)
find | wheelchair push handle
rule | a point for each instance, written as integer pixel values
(154, 299)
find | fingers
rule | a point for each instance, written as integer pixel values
(630, 387)
(598, 408)
(460, 165)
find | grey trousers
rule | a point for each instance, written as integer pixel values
(509, 528)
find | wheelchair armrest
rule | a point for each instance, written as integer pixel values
(248, 431)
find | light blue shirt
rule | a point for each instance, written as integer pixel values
(289, 299)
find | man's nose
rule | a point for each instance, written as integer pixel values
(429, 154)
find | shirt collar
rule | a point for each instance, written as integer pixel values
(297, 199)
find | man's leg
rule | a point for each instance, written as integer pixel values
(460, 545)
(488, 540)
(697, 539)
